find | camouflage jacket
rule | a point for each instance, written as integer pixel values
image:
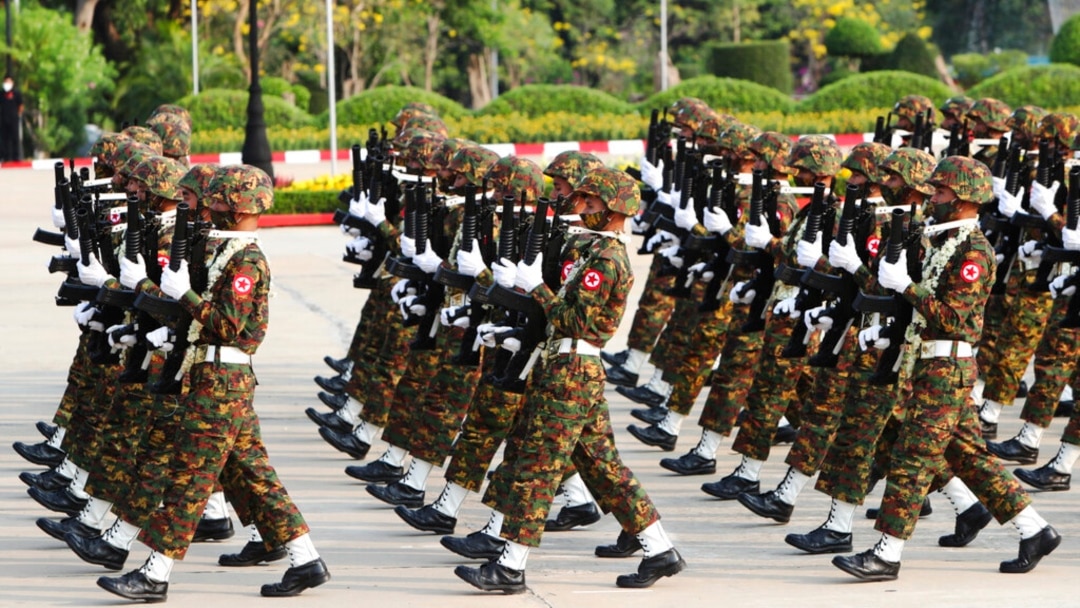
(234, 311)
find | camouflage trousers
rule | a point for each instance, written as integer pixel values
(1072, 430)
(689, 373)
(411, 390)
(565, 420)
(1055, 362)
(774, 389)
(383, 358)
(997, 308)
(1017, 339)
(732, 379)
(83, 441)
(220, 439)
(122, 434)
(940, 437)
(78, 381)
(653, 309)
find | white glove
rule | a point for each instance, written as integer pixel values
(844, 256)
(408, 247)
(511, 344)
(485, 334)
(94, 274)
(471, 262)
(1030, 253)
(375, 213)
(58, 220)
(716, 221)
(429, 261)
(357, 206)
(686, 217)
(638, 225)
(999, 258)
(1042, 199)
(1058, 288)
(661, 240)
(132, 272)
(816, 319)
(746, 298)
(401, 289)
(757, 237)
(871, 336)
(410, 306)
(360, 247)
(808, 254)
(1009, 204)
(126, 341)
(159, 339)
(672, 255)
(448, 313)
(998, 187)
(349, 231)
(697, 271)
(72, 246)
(505, 271)
(83, 313)
(1070, 238)
(787, 306)
(529, 276)
(666, 198)
(652, 175)
(894, 276)
(176, 284)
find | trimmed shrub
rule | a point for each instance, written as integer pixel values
(219, 108)
(538, 99)
(1065, 47)
(1049, 86)
(279, 87)
(304, 201)
(852, 37)
(873, 90)
(766, 62)
(381, 104)
(912, 54)
(973, 68)
(723, 94)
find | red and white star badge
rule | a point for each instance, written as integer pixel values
(242, 285)
(163, 260)
(872, 245)
(566, 269)
(592, 280)
(114, 216)
(970, 272)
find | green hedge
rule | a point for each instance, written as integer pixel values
(279, 87)
(873, 90)
(221, 108)
(1065, 47)
(380, 105)
(1048, 86)
(766, 62)
(973, 68)
(304, 202)
(538, 99)
(723, 94)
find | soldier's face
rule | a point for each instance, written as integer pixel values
(561, 187)
(948, 120)
(188, 196)
(857, 178)
(805, 177)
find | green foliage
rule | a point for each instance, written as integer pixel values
(873, 90)
(837, 74)
(381, 104)
(158, 74)
(853, 38)
(302, 201)
(63, 77)
(537, 99)
(722, 94)
(1049, 86)
(1066, 45)
(912, 54)
(277, 86)
(765, 62)
(973, 68)
(217, 108)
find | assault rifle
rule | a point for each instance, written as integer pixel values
(887, 371)
(809, 296)
(762, 203)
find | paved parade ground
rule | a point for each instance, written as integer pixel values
(734, 558)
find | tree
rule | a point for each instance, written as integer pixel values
(1066, 45)
(854, 39)
(912, 55)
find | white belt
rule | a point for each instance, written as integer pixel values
(227, 354)
(932, 349)
(566, 345)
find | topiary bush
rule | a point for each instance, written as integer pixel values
(1065, 47)
(723, 94)
(1049, 86)
(538, 99)
(873, 90)
(279, 87)
(973, 68)
(220, 108)
(765, 62)
(852, 37)
(381, 104)
(912, 54)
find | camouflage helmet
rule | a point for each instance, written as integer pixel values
(713, 126)
(410, 110)
(161, 175)
(516, 175)
(957, 106)
(968, 178)
(421, 147)
(737, 138)
(427, 123)
(198, 178)
(818, 154)
(104, 149)
(993, 113)
(175, 110)
(446, 150)
(132, 155)
(866, 158)
(913, 105)
(174, 132)
(1059, 127)
(572, 165)
(914, 166)
(689, 112)
(773, 148)
(472, 161)
(617, 189)
(144, 136)
(1026, 119)
(244, 188)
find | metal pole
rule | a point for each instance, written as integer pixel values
(331, 84)
(494, 60)
(663, 46)
(7, 28)
(195, 46)
(256, 151)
